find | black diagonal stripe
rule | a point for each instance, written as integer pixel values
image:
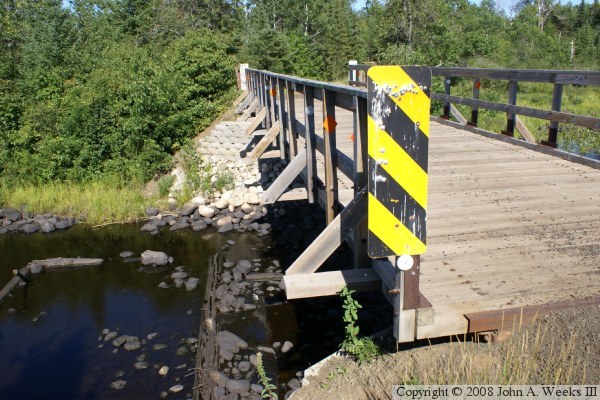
(402, 129)
(398, 201)
(377, 248)
(421, 76)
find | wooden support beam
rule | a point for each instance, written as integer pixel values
(330, 283)
(266, 140)
(248, 113)
(242, 102)
(291, 120)
(331, 238)
(294, 195)
(311, 158)
(281, 119)
(330, 153)
(360, 233)
(285, 179)
(526, 133)
(456, 114)
(256, 122)
(514, 318)
(510, 116)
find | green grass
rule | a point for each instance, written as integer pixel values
(93, 202)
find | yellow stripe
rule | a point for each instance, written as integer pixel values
(399, 165)
(415, 106)
(391, 231)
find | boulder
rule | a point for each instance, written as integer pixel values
(64, 224)
(191, 284)
(188, 209)
(149, 227)
(150, 257)
(47, 227)
(12, 214)
(199, 225)
(179, 225)
(239, 386)
(229, 344)
(151, 211)
(220, 379)
(206, 211)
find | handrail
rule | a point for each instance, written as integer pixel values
(357, 77)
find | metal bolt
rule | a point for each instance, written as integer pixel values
(380, 178)
(382, 150)
(382, 161)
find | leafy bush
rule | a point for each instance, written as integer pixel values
(363, 349)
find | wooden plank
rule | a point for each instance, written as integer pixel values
(459, 117)
(330, 153)
(513, 318)
(360, 179)
(280, 110)
(266, 140)
(285, 179)
(330, 283)
(256, 122)
(548, 76)
(242, 101)
(294, 194)
(311, 159)
(557, 116)
(524, 131)
(248, 113)
(291, 120)
(331, 238)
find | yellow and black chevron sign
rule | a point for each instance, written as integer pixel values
(398, 136)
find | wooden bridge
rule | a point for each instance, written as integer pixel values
(513, 226)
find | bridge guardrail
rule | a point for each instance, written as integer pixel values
(559, 78)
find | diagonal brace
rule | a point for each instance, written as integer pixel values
(285, 179)
(332, 236)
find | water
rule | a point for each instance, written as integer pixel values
(49, 330)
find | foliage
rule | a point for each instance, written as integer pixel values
(269, 389)
(164, 185)
(363, 349)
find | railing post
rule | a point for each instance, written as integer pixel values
(556, 105)
(511, 117)
(446, 114)
(291, 120)
(263, 96)
(360, 234)
(282, 124)
(475, 109)
(331, 182)
(311, 160)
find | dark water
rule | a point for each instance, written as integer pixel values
(49, 330)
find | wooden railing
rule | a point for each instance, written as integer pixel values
(357, 77)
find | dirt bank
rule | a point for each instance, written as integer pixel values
(561, 348)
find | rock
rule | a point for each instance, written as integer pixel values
(231, 242)
(126, 254)
(47, 227)
(151, 211)
(64, 224)
(221, 204)
(120, 341)
(220, 379)
(163, 285)
(239, 386)
(30, 228)
(247, 208)
(256, 388)
(158, 222)
(225, 228)
(191, 340)
(223, 221)
(179, 225)
(179, 275)
(294, 384)
(148, 227)
(206, 211)
(244, 366)
(243, 266)
(163, 371)
(191, 284)
(150, 257)
(181, 351)
(151, 336)
(176, 389)
(251, 198)
(141, 365)
(265, 349)
(199, 225)
(118, 385)
(253, 360)
(188, 209)
(218, 393)
(229, 344)
(133, 343)
(178, 283)
(110, 336)
(159, 346)
(12, 214)
(287, 346)
(228, 264)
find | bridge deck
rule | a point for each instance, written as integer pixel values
(507, 226)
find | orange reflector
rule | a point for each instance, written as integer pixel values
(273, 92)
(329, 124)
